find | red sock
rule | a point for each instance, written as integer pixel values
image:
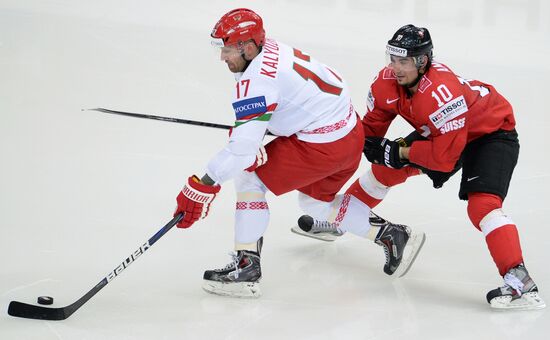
(505, 247)
(501, 232)
(357, 191)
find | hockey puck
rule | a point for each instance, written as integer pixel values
(45, 300)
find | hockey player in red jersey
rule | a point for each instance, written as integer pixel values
(318, 147)
(458, 123)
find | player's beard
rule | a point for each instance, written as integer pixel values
(407, 82)
(236, 67)
(403, 81)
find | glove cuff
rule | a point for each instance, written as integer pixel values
(199, 192)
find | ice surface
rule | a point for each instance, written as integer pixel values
(80, 191)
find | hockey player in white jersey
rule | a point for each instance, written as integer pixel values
(306, 104)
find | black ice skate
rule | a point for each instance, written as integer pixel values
(376, 221)
(519, 292)
(240, 278)
(320, 230)
(401, 245)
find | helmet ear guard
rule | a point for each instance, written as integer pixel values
(422, 61)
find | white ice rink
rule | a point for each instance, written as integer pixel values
(80, 190)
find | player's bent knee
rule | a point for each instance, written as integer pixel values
(369, 184)
(480, 205)
(494, 220)
(249, 182)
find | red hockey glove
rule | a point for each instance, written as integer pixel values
(261, 159)
(194, 201)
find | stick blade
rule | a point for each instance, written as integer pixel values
(27, 311)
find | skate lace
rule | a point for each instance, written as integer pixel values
(513, 282)
(234, 263)
(324, 226)
(386, 253)
(385, 248)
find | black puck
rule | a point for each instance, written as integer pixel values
(45, 300)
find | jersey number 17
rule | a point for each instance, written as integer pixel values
(307, 74)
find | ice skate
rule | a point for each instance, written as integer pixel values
(401, 246)
(240, 278)
(324, 230)
(320, 230)
(518, 293)
(376, 221)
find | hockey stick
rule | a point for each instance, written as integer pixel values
(166, 119)
(24, 310)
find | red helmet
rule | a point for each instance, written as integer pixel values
(238, 26)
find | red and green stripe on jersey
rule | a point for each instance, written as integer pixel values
(252, 109)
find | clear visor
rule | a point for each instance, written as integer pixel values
(225, 52)
(399, 62)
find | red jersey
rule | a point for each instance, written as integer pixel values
(446, 109)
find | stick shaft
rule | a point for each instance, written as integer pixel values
(165, 119)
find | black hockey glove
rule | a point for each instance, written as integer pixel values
(438, 177)
(383, 151)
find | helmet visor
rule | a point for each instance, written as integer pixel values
(395, 62)
(226, 52)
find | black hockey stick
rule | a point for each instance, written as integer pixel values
(165, 119)
(24, 310)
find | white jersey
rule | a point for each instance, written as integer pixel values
(286, 92)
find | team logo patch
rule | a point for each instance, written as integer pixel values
(370, 101)
(250, 108)
(388, 74)
(449, 111)
(424, 84)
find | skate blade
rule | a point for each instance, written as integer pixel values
(412, 248)
(320, 236)
(527, 301)
(234, 289)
